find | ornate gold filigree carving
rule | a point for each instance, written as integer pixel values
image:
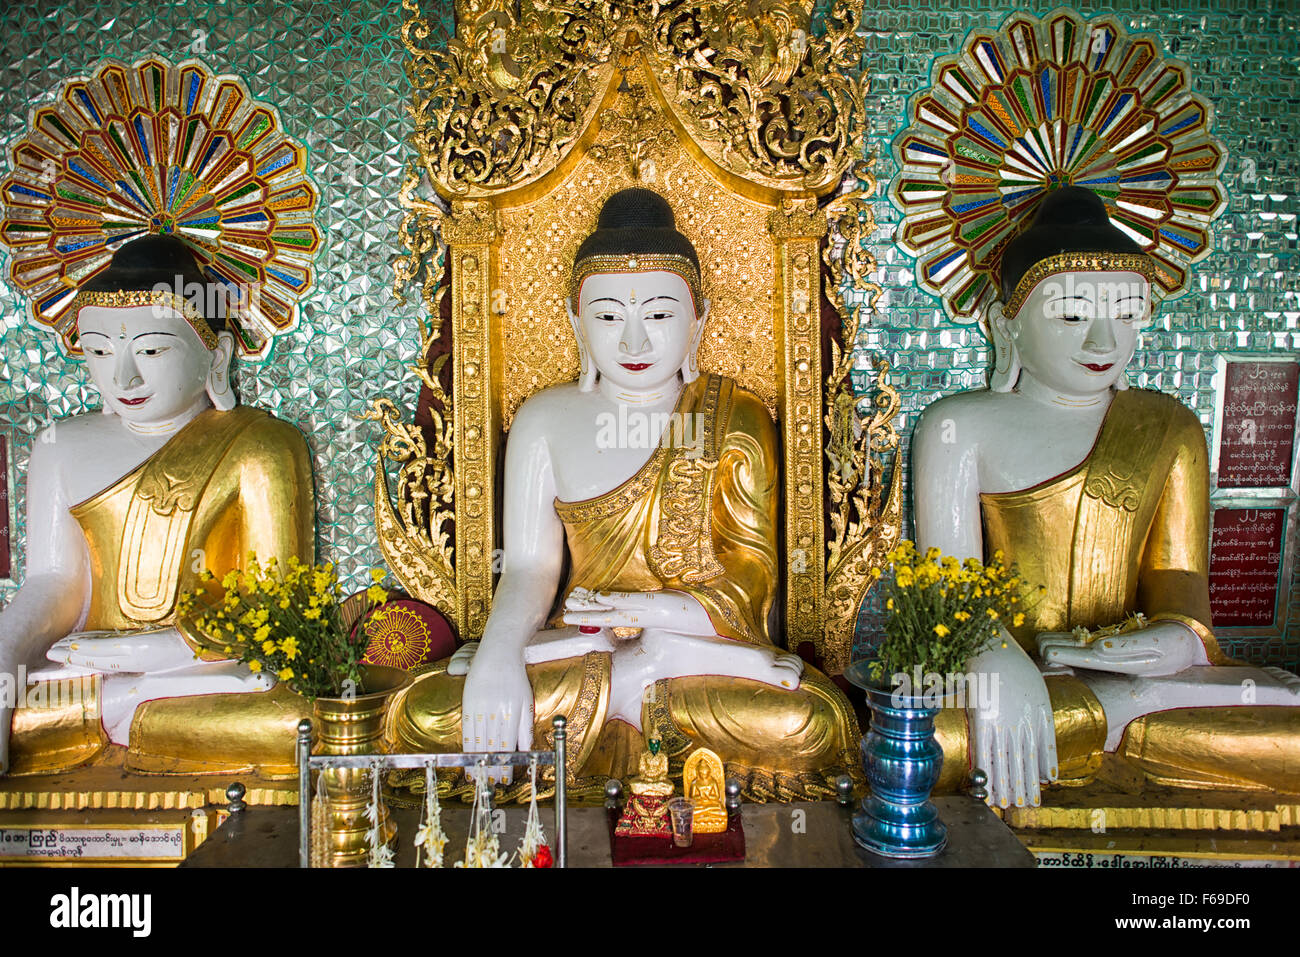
(470, 232)
(414, 536)
(637, 132)
(684, 546)
(422, 262)
(797, 229)
(516, 91)
(760, 93)
(511, 94)
(866, 520)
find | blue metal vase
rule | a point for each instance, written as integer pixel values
(902, 762)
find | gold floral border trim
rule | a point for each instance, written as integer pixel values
(655, 262)
(149, 297)
(1077, 262)
(618, 500)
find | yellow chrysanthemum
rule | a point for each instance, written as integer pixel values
(268, 647)
(942, 630)
(254, 666)
(290, 647)
(1018, 620)
(285, 673)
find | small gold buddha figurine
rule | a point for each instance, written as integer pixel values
(702, 781)
(646, 813)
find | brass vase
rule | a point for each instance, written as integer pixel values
(350, 726)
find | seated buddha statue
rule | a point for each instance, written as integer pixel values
(646, 812)
(661, 485)
(125, 509)
(702, 782)
(1100, 494)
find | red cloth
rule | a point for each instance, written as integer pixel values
(406, 633)
(657, 851)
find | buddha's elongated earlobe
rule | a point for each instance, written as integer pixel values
(691, 367)
(1006, 359)
(219, 389)
(587, 369)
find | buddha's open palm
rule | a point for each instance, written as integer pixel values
(1163, 648)
(1013, 733)
(667, 610)
(133, 652)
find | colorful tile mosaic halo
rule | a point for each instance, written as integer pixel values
(1044, 103)
(165, 149)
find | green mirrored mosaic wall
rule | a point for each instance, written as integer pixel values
(334, 71)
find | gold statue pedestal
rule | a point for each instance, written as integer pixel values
(1120, 819)
(102, 814)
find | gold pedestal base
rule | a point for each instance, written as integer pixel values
(103, 815)
(1121, 819)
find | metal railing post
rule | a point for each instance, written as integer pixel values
(304, 793)
(561, 775)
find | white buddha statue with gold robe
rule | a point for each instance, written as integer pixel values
(663, 628)
(1099, 493)
(125, 509)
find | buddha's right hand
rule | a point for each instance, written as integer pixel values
(1012, 729)
(497, 704)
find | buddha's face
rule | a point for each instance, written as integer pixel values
(1077, 331)
(147, 361)
(639, 327)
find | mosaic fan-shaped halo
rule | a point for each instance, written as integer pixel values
(1042, 103)
(157, 148)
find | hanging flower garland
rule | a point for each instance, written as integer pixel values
(430, 840)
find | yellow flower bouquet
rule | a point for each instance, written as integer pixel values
(284, 621)
(941, 611)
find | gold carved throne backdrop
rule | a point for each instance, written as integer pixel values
(525, 124)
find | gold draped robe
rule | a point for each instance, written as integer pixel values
(226, 484)
(698, 517)
(1127, 531)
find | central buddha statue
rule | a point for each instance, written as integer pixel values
(125, 510)
(1100, 494)
(662, 483)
